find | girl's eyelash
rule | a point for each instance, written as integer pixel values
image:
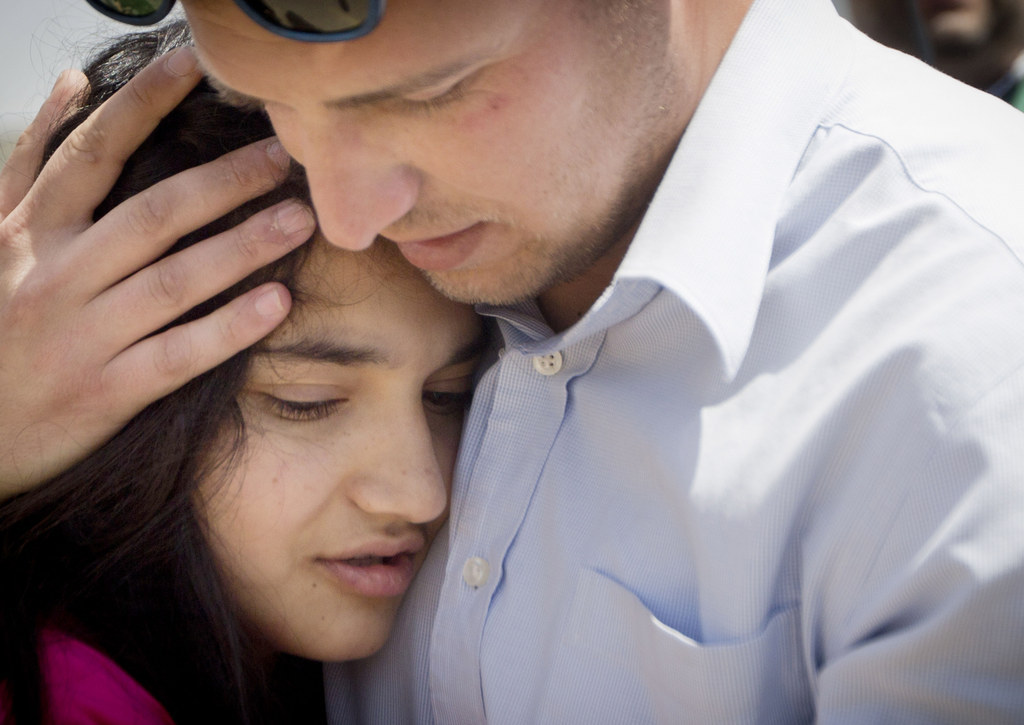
(447, 403)
(302, 410)
(444, 403)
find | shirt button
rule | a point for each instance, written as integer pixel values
(548, 364)
(475, 571)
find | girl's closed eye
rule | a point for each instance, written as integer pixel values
(303, 410)
(450, 391)
(447, 403)
(295, 402)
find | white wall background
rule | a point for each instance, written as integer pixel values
(40, 38)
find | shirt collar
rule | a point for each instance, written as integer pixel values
(1004, 87)
(708, 234)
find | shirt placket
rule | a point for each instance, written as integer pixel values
(527, 394)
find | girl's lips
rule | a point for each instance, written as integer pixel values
(442, 253)
(374, 576)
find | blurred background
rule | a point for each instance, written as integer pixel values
(39, 39)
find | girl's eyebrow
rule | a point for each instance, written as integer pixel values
(326, 351)
(340, 354)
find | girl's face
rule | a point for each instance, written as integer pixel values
(353, 411)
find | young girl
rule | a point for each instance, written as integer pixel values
(268, 514)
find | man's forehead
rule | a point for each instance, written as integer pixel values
(416, 44)
(419, 80)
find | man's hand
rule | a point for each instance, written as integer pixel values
(79, 301)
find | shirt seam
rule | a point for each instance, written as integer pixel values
(912, 178)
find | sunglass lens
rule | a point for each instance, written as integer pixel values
(313, 16)
(133, 8)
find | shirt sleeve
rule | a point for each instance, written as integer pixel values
(933, 631)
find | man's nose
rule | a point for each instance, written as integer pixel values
(358, 185)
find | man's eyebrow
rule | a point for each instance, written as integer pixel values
(424, 81)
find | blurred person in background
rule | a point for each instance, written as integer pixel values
(980, 42)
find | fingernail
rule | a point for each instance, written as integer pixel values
(60, 80)
(182, 62)
(293, 218)
(278, 155)
(269, 304)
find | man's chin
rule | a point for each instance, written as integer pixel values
(479, 287)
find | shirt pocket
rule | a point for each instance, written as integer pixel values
(618, 663)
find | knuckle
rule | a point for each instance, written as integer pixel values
(90, 389)
(166, 283)
(233, 328)
(240, 169)
(85, 145)
(15, 237)
(32, 292)
(228, 327)
(25, 308)
(31, 138)
(249, 239)
(139, 94)
(173, 357)
(147, 213)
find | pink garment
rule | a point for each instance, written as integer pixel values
(85, 687)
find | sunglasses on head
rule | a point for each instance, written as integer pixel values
(308, 20)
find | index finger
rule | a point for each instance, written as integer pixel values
(22, 165)
(82, 171)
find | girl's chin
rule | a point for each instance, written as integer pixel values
(354, 643)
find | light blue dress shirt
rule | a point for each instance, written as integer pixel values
(776, 473)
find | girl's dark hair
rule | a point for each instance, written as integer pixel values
(113, 550)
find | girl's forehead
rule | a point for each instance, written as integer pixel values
(366, 294)
(330, 275)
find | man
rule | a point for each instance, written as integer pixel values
(750, 448)
(980, 42)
